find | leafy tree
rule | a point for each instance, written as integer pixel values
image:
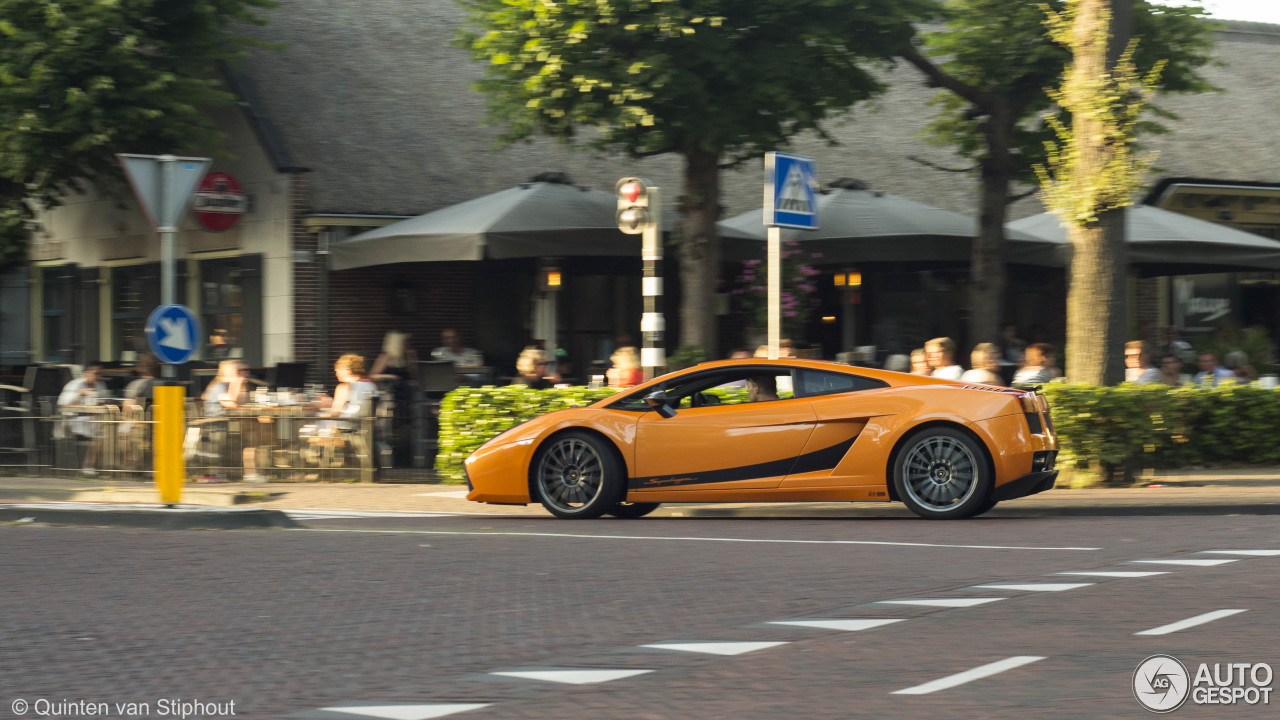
(81, 80)
(994, 62)
(1091, 174)
(715, 81)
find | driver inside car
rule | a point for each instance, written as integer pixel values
(762, 388)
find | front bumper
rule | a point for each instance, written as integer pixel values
(1028, 484)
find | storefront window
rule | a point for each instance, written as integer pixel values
(230, 299)
(135, 292)
(56, 310)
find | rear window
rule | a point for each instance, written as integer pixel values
(818, 382)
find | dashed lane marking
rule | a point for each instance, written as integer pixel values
(698, 539)
(1193, 562)
(844, 624)
(403, 711)
(571, 676)
(1190, 622)
(1249, 553)
(939, 602)
(982, 671)
(715, 648)
(1033, 587)
(1116, 573)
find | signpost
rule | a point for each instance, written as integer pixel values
(790, 200)
(640, 212)
(164, 185)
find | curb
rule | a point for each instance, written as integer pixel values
(218, 498)
(154, 518)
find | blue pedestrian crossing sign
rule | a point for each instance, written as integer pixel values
(173, 332)
(790, 191)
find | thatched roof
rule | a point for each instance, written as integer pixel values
(372, 97)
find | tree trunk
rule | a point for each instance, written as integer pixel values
(699, 211)
(987, 277)
(1096, 307)
(1096, 301)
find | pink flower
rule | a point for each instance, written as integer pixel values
(750, 263)
(789, 313)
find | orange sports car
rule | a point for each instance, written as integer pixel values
(776, 430)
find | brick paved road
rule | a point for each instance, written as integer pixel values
(414, 610)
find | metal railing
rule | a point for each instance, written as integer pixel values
(267, 442)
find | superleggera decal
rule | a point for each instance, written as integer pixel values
(818, 460)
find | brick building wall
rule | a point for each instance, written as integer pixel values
(421, 299)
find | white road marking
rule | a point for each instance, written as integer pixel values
(977, 673)
(1116, 573)
(1033, 587)
(1186, 561)
(407, 712)
(940, 602)
(1190, 622)
(692, 539)
(845, 624)
(576, 676)
(715, 648)
(1250, 553)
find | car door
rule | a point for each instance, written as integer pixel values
(735, 444)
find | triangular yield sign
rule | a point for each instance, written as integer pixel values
(715, 648)
(164, 184)
(407, 712)
(576, 676)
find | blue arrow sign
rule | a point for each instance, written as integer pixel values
(790, 191)
(173, 332)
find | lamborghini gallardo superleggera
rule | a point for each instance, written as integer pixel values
(776, 430)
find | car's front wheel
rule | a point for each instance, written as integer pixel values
(943, 473)
(577, 475)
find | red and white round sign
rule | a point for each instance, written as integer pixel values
(219, 202)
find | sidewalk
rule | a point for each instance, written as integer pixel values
(1225, 490)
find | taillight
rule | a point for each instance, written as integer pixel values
(1031, 406)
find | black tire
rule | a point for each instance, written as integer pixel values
(984, 507)
(942, 473)
(577, 475)
(633, 509)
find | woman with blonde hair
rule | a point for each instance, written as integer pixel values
(230, 389)
(986, 365)
(532, 366)
(626, 369)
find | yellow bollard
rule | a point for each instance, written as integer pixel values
(171, 471)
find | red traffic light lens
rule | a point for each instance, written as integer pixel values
(631, 191)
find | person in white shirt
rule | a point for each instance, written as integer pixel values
(986, 365)
(1035, 365)
(454, 350)
(941, 352)
(1211, 373)
(1137, 364)
(88, 389)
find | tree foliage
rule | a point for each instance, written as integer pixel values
(81, 80)
(736, 77)
(714, 81)
(1001, 47)
(1111, 100)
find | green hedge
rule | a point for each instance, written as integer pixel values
(1155, 426)
(1129, 426)
(470, 416)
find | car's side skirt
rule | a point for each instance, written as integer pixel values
(815, 461)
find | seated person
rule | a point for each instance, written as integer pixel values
(762, 388)
(350, 397)
(88, 389)
(532, 366)
(229, 390)
(454, 350)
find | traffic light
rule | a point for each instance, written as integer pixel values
(633, 205)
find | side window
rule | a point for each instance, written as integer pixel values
(818, 382)
(748, 385)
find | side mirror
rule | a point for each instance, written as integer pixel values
(658, 401)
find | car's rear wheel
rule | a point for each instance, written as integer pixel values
(943, 473)
(577, 475)
(633, 509)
